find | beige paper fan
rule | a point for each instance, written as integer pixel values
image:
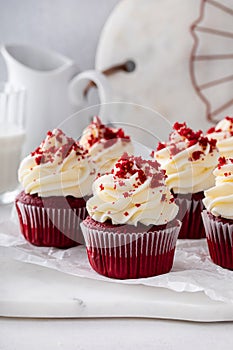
(211, 64)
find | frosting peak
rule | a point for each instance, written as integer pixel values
(56, 146)
(188, 158)
(223, 133)
(105, 144)
(219, 199)
(128, 166)
(58, 167)
(99, 132)
(134, 192)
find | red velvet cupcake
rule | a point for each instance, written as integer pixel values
(189, 159)
(218, 218)
(105, 144)
(57, 179)
(131, 231)
(223, 133)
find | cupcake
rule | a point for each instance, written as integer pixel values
(218, 216)
(130, 231)
(57, 179)
(223, 133)
(189, 159)
(105, 144)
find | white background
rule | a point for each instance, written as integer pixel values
(71, 27)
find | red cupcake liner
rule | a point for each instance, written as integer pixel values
(220, 240)
(190, 209)
(131, 255)
(51, 227)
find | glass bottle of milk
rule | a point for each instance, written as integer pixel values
(12, 136)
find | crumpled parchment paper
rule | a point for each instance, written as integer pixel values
(192, 270)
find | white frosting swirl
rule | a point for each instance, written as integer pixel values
(105, 145)
(133, 193)
(219, 199)
(58, 167)
(223, 133)
(189, 160)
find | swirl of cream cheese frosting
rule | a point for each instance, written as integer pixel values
(104, 144)
(134, 192)
(189, 159)
(223, 133)
(58, 167)
(219, 199)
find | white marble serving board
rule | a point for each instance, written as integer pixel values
(28, 290)
(156, 35)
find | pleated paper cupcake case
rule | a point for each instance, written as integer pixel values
(51, 227)
(131, 255)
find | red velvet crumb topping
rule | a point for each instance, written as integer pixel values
(230, 119)
(106, 134)
(221, 161)
(197, 155)
(214, 129)
(161, 145)
(129, 165)
(191, 138)
(47, 155)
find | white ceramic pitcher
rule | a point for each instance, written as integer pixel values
(54, 87)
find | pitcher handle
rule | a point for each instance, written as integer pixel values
(79, 82)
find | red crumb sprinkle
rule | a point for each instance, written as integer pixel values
(127, 166)
(152, 154)
(121, 183)
(126, 213)
(212, 143)
(137, 205)
(197, 155)
(177, 126)
(126, 194)
(187, 133)
(95, 207)
(59, 135)
(221, 161)
(174, 149)
(158, 179)
(161, 146)
(230, 119)
(211, 130)
(106, 134)
(101, 187)
(65, 146)
(109, 212)
(190, 138)
(214, 129)
(163, 197)
(172, 200)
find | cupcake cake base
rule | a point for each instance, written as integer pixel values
(51, 221)
(219, 233)
(125, 251)
(190, 209)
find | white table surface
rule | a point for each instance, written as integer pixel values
(120, 333)
(25, 334)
